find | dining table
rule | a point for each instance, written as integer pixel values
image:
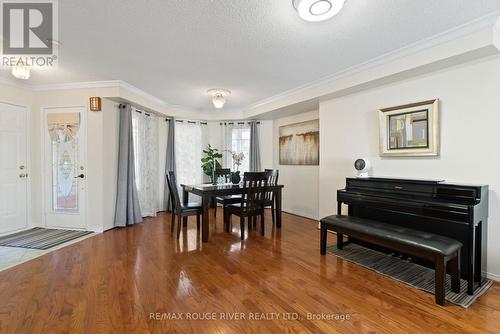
(209, 191)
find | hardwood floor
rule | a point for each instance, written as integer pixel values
(117, 281)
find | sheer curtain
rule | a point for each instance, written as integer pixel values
(236, 137)
(190, 140)
(145, 134)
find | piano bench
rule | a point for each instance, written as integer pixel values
(439, 250)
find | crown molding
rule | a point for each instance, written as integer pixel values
(496, 34)
(119, 84)
(487, 21)
(298, 93)
(13, 83)
(77, 85)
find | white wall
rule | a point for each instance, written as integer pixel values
(470, 117)
(111, 119)
(265, 143)
(301, 191)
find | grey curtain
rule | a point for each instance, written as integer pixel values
(128, 210)
(254, 148)
(170, 163)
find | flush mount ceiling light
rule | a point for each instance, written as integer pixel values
(21, 71)
(317, 10)
(219, 96)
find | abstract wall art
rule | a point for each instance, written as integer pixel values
(299, 143)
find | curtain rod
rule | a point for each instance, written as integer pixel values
(140, 112)
(238, 123)
(189, 122)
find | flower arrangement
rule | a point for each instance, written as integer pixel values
(237, 160)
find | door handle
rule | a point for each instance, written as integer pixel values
(81, 176)
(23, 175)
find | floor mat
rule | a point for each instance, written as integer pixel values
(41, 238)
(407, 272)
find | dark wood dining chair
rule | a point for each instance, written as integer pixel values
(225, 200)
(269, 199)
(181, 210)
(251, 204)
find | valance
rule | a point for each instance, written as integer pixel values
(63, 127)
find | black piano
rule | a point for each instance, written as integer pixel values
(456, 211)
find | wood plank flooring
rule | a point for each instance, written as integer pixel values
(131, 280)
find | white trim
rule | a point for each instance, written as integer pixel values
(300, 214)
(496, 34)
(140, 92)
(446, 36)
(487, 21)
(119, 84)
(13, 83)
(29, 168)
(77, 85)
(491, 276)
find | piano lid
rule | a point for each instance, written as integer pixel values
(401, 179)
(413, 188)
(418, 180)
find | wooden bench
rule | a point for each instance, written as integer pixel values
(440, 250)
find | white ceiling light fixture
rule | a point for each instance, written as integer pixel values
(318, 10)
(219, 96)
(21, 71)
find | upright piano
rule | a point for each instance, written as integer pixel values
(456, 211)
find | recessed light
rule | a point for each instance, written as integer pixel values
(318, 10)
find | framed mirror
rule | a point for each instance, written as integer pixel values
(410, 130)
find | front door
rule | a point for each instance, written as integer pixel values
(13, 168)
(64, 168)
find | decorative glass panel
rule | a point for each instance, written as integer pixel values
(64, 170)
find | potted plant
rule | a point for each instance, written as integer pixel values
(237, 160)
(209, 162)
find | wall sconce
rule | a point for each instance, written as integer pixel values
(95, 103)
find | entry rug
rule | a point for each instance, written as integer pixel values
(407, 272)
(41, 238)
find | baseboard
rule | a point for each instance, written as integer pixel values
(493, 277)
(300, 214)
(16, 231)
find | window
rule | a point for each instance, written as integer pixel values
(236, 138)
(240, 143)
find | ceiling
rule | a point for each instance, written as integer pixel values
(176, 50)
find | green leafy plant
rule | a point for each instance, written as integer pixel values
(209, 161)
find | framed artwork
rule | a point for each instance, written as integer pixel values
(299, 143)
(410, 130)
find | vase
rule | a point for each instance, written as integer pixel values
(235, 177)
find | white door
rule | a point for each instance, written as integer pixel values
(64, 171)
(13, 168)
